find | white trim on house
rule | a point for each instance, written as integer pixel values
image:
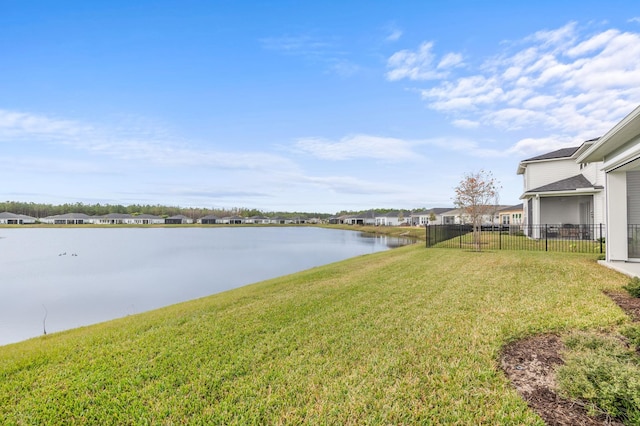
(618, 151)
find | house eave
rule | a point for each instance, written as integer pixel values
(615, 138)
(570, 192)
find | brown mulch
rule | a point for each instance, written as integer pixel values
(530, 365)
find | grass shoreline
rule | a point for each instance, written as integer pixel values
(410, 335)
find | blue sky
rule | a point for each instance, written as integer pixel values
(301, 106)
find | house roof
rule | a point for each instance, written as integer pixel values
(517, 207)
(148, 216)
(69, 216)
(396, 213)
(560, 153)
(459, 211)
(209, 216)
(364, 215)
(569, 184)
(452, 212)
(9, 215)
(435, 210)
(178, 216)
(439, 210)
(116, 216)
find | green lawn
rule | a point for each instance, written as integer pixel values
(408, 336)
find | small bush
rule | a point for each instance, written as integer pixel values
(632, 332)
(603, 372)
(633, 287)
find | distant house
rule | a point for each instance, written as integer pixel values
(145, 219)
(338, 220)
(366, 218)
(419, 218)
(113, 219)
(617, 153)
(178, 220)
(511, 215)
(258, 220)
(209, 220)
(235, 220)
(461, 217)
(7, 218)
(394, 218)
(452, 217)
(67, 219)
(277, 220)
(560, 190)
(424, 217)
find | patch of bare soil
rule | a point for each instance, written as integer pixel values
(530, 365)
(631, 305)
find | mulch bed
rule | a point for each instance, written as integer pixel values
(530, 365)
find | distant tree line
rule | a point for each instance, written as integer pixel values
(377, 211)
(40, 210)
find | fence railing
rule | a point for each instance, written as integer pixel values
(568, 238)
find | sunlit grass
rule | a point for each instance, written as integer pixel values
(604, 373)
(408, 336)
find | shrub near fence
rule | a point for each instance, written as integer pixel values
(565, 238)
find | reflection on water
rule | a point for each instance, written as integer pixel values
(389, 241)
(82, 276)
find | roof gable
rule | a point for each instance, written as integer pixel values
(517, 207)
(569, 184)
(560, 153)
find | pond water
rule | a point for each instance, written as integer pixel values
(58, 278)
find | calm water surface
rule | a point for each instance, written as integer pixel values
(79, 277)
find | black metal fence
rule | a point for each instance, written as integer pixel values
(566, 238)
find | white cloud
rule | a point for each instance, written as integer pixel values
(394, 35)
(556, 38)
(129, 144)
(465, 124)
(349, 185)
(48, 165)
(358, 146)
(531, 146)
(596, 42)
(324, 50)
(305, 45)
(344, 68)
(419, 65)
(465, 93)
(15, 125)
(567, 81)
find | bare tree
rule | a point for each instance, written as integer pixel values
(476, 196)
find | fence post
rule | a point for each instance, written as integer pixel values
(460, 234)
(600, 239)
(426, 234)
(546, 238)
(499, 237)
